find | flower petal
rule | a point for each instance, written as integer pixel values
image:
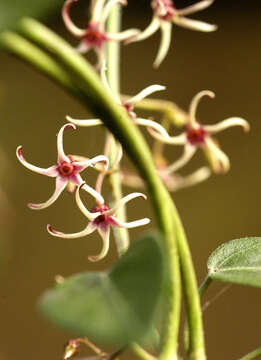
(51, 171)
(68, 22)
(129, 225)
(105, 235)
(123, 201)
(194, 24)
(194, 105)
(83, 47)
(60, 186)
(61, 154)
(218, 159)
(106, 84)
(81, 165)
(188, 153)
(150, 30)
(88, 122)
(181, 182)
(88, 230)
(172, 140)
(165, 28)
(201, 5)
(96, 10)
(123, 35)
(91, 216)
(144, 93)
(152, 124)
(225, 124)
(109, 5)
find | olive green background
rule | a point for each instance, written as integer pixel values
(32, 109)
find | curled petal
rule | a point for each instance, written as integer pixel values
(124, 35)
(96, 10)
(60, 186)
(201, 5)
(194, 104)
(98, 197)
(165, 27)
(123, 201)
(51, 171)
(109, 5)
(83, 47)
(81, 165)
(225, 124)
(144, 93)
(181, 182)
(89, 122)
(194, 24)
(150, 30)
(91, 216)
(105, 234)
(172, 140)
(152, 124)
(88, 230)
(61, 154)
(68, 22)
(218, 159)
(129, 225)
(188, 153)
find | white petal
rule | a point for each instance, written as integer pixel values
(83, 47)
(123, 35)
(105, 235)
(144, 93)
(60, 186)
(188, 153)
(132, 224)
(93, 161)
(194, 24)
(109, 5)
(91, 216)
(165, 27)
(172, 140)
(201, 5)
(225, 124)
(123, 201)
(61, 154)
(68, 22)
(219, 160)
(194, 105)
(96, 10)
(98, 197)
(88, 230)
(152, 124)
(89, 122)
(150, 30)
(106, 84)
(195, 178)
(51, 171)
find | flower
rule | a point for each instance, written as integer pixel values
(197, 135)
(164, 15)
(128, 106)
(94, 35)
(102, 218)
(66, 170)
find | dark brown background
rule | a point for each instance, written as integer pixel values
(32, 110)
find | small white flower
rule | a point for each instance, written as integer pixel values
(165, 14)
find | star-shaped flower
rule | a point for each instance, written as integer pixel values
(94, 36)
(101, 218)
(66, 170)
(128, 105)
(165, 14)
(197, 135)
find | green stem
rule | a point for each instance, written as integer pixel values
(252, 355)
(117, 120)
(204, 286)
(141, 353)
(113, 76)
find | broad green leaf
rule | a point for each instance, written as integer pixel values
(11, 11)
(238, 261)
(114, 307)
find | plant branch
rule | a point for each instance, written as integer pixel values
(252, 355)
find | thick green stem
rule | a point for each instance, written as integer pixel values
(113, 76)
(116, 119)
(252, 355)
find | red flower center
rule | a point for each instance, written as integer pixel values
(66, 169)
(101, 218)
(94, 37)
(164, 9)
(196, 136)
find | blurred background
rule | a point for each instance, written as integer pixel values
(224, 207)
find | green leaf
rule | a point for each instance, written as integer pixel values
(238, 261)
(115, 307)
(12, 11)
